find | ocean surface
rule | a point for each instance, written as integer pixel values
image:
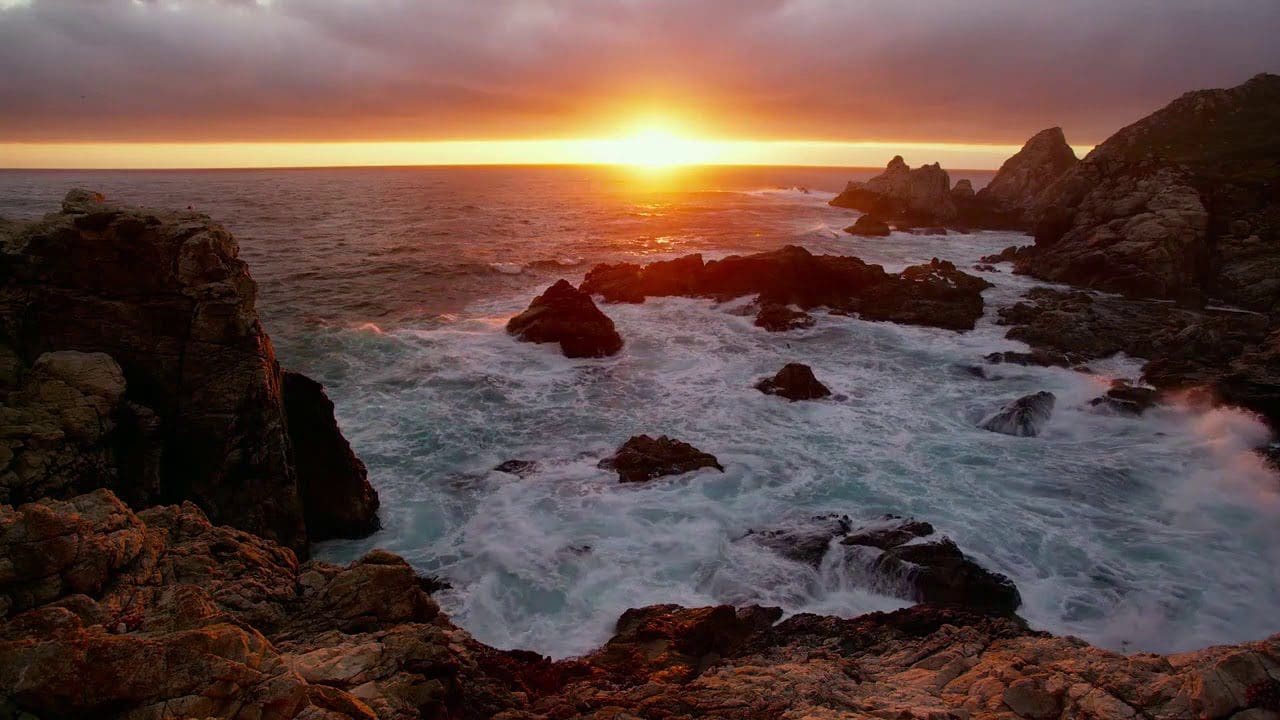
(392, 287)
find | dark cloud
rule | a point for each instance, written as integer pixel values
(963, 70)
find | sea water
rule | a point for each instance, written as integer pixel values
(393, 286)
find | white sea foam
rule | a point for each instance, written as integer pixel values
(1156, 533)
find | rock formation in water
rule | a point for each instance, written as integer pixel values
(1024, 417)
(776, 317)
(868, 226)
(566, 316)
(795, 381)
(934, 294)
(644, 458)
(1183, 204)
(1022, 178)
(131, 357)
(919, 197)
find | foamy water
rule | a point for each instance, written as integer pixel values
(1153, 533)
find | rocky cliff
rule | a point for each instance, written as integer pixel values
(1183, 204)
(161, 614)
(1022, 178)
(131, 357)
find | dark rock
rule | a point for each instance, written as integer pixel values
(519, 468)
(939, 573)
(165, 295)
(1040, 358)
(795, 381)
(1127, 399)
(983, 267)
(643, 458)
(868, 226)
(1022, 178)
(804, 541)
(775, 317)
(337, 499)
(1180, 204)
(1009, 254)
(891, 531)
(962, 190)
(935, 294)
(921, 196)
(1024, 417)
(567, 316)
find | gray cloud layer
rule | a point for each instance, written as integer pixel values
(946, 70)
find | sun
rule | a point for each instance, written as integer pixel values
(656, 147)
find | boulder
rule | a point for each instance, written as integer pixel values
(888, 532)
(1125, 399)
(868, 226)
(567, 316)
(1180, 205)
(337, 499)
(1039, 358)
(644, 458)
(161, 300)
(804, 540)
(795, 381)
(939, 573)
(922, 195)
(776, 317)
(1024, 417)
(934, 294)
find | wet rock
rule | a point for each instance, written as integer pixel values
(934, 294)
(337, 499)
(644, 458)
(939, 573)
(519, 468)
(868, 226)
(1038, 358)
(1009, 254)
(565, 315)
(921, 196)
(795, 381)
(1126, 399)
(890, 531)
(775, 317)
(1024, 417)
(805, 540)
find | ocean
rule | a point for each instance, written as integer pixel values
(391, 286)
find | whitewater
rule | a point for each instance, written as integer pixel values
(1155, 533)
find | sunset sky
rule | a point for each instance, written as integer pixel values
(163, 83)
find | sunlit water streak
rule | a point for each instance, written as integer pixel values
(392, 287)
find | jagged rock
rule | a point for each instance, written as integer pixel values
(643, 458)
(1028, 173)
(1024, 417)
(165, 296)
(1180, 205)
(1127, 399)
(1040, 358)
(804, 541)
(1009, 254)
(776, 317)
(795, 381)
(890, 531)
(935, 294)
(922, 195)
(337, 499)
(962, 190)
(567, 316)
(868, 226)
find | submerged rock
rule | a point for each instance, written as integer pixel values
(868, 226)
(644, 458)
(1127, 399)
(562, 314)
(519, 468)
(1040, 358)
(795, 381)
(776, 317)
(1024, 417)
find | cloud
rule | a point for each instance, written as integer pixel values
(942, 70)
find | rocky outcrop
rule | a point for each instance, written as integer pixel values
(1024, 417)
(934, 294)
(163, 297)
(921, 196)
(868, 226)
(567, 316)
(1231, 356)
(1123, 398)
(776, 317)
(337, 499)
(1180, 205)
(1037, 358)
(795, 381)
(1022, 178)
(109, 613)
(644, 458)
